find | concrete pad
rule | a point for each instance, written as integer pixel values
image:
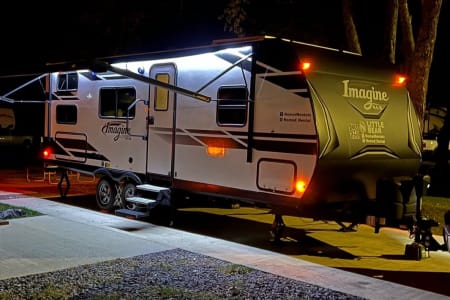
(68, 236)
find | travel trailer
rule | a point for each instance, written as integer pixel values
(304, 130)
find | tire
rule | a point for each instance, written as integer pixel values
(446, 231)
(106, 194)
(128, 190)
(445, 234)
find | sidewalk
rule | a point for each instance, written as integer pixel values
(67, 236)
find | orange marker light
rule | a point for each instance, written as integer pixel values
(215, 151)
(400, 80)
(300, 186)
(305, 65)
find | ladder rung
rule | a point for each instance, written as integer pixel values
(134, 213)
(151, 188)
(140, 200)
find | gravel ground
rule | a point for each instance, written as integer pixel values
(172, 274)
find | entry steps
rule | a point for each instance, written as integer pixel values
(147, 197)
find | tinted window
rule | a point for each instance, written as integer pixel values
(162, 94)
(232, 106)
(68, 82)
(114, 102)
(66, 114)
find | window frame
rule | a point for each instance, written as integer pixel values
(67, 82)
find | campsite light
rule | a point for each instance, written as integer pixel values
(300, 186)
(400, 80)
(215, 151)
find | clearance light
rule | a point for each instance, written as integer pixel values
(400, 80)
(215, 151)
(305, 65)
(300, 186)
(46, 152)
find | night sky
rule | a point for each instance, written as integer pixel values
(43, 33)
(36, 32)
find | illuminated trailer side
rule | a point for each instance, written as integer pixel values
(305, 130)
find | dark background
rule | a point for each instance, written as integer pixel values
(35, 33)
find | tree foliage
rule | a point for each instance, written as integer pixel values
(234, 15)
(417, 32)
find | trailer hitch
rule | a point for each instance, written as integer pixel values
(424, 242)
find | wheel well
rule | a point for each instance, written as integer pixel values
(118, 175)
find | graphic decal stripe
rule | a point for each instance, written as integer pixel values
(288, 81)
(297, 143)
(187, 140)
(309, 148)
(286, 147)
(237, 134)
(261, 70)
(89, 155)
(276, 135)
(75, 144)
(63, 95)
(208, 132)
(232, 59)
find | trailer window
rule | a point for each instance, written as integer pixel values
(66, 114)
(68, 81)
(232, 106)
(162, 94)
(114, 102)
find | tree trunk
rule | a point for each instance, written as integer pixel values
(422, 57)
(350, 28)
(418, 53)
(407, 33)
(390, 35)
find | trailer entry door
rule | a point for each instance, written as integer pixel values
(161, 123)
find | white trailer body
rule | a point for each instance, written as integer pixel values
(304, 142)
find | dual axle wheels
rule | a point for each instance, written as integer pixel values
(111, 195)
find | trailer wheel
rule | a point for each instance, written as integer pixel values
(128, 190)
(106, 194)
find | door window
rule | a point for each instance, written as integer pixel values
(162, 94)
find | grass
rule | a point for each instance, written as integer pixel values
(435, 208)
(236, 269)
(28, 212)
